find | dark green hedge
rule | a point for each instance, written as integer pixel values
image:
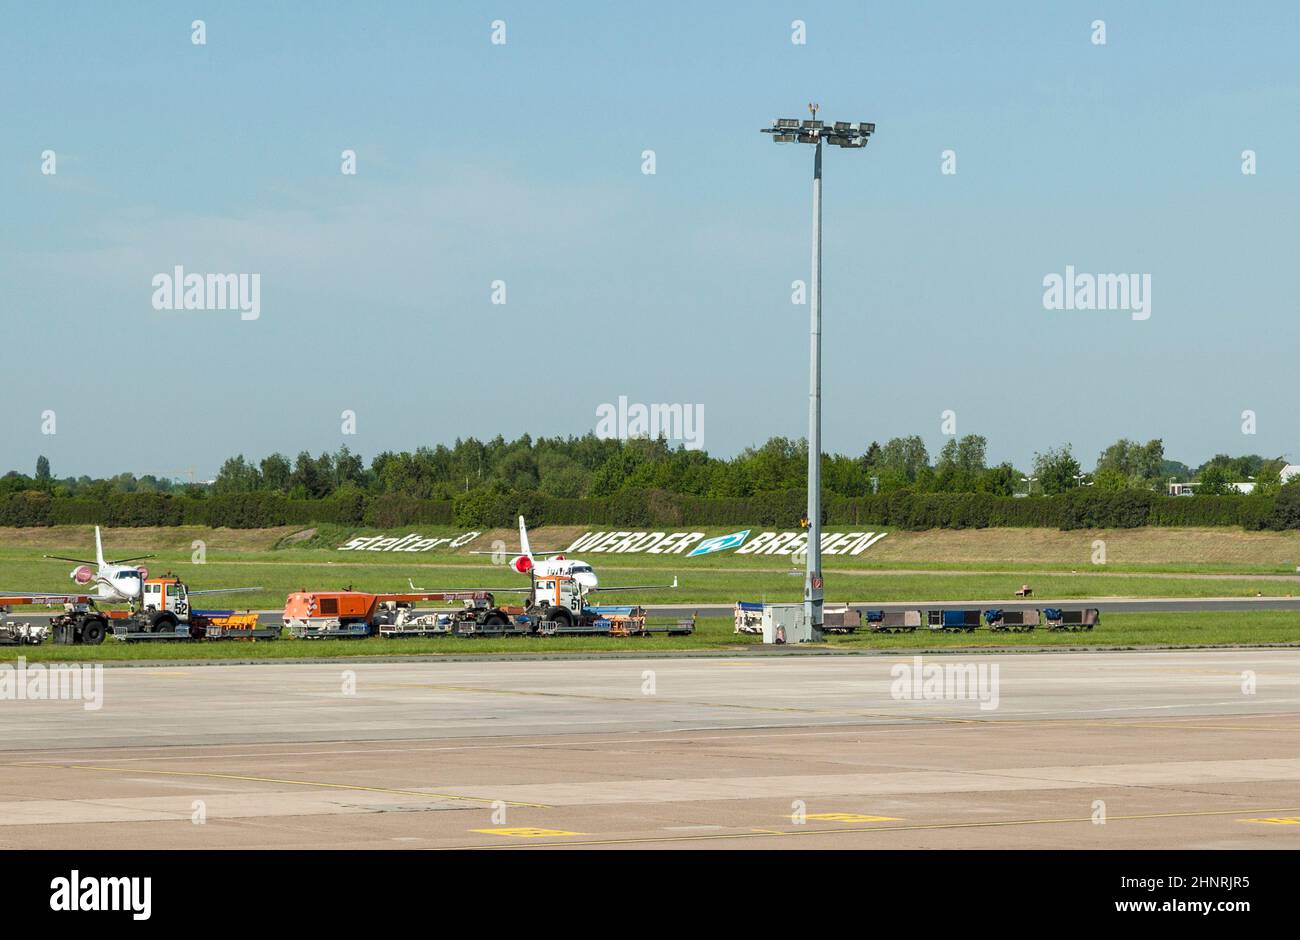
(242, 511)
(947, 511)
(392, 510)
(487, 508)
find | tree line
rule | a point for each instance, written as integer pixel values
(590, 467)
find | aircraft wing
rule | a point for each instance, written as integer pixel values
(224, 591)
(635, 587)
(509, 590)
(80, 561)
(504, 552)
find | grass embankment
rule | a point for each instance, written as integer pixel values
(922, 566)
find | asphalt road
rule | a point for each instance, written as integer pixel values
(1106, 749)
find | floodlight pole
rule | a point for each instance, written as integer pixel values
(813, 592)
(842, 134)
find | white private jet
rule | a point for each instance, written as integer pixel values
(115, 581)
(108, 582)
(537, 565)
(527, 562)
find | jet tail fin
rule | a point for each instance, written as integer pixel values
(523, 540)
(99, 549)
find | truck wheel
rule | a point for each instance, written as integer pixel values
(92, 632)
(494, 620)
(560, 615)
(164, 623)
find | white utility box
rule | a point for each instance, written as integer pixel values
(785, 623)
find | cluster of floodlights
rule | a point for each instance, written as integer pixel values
(841, 133)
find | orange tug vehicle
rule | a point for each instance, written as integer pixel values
(164, 614)
(556, 606)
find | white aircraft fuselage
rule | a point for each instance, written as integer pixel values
(544, 567)
(113, 583)
(563, 567)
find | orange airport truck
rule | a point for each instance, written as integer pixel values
(338, 614)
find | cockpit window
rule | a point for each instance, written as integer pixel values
(128, 575)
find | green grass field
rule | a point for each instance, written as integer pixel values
(278, 564)
(697, 584)
(288, 559)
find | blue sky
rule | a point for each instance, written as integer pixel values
(523, 163)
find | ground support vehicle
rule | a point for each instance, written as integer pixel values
(342, 614)
(21, 633)
(967, 620)
(228, 625)
(964, 620)
(479, 615)
(840, 620)
(1075, 619)
(199, 625)
(1014, 621)
(893, 621)
(749, 617)
(515, 621)
(17, 633)
(556, 606)
(614, 621)
(164, 614)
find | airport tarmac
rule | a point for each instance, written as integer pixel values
(1105, 750)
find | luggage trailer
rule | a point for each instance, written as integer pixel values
(967, 619)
